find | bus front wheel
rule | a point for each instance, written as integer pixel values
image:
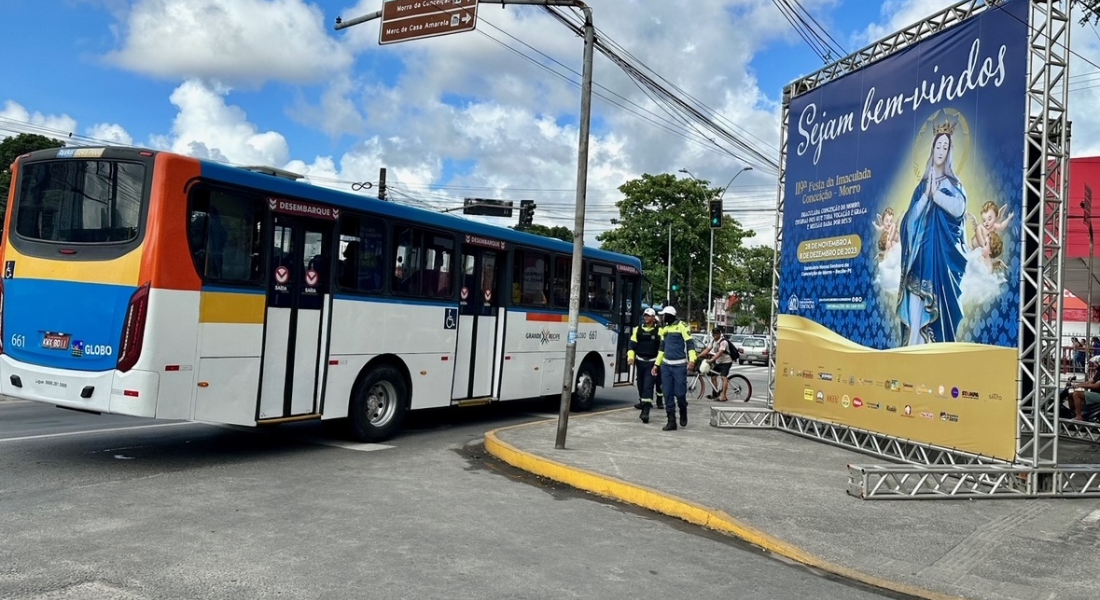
(378, 405)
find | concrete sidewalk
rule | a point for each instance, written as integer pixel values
(787, 495)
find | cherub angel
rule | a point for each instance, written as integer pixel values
(994, 220)
(888, 230)
(992, 248)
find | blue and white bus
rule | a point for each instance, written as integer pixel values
(151, 284)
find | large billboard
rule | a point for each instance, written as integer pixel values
(900, 272)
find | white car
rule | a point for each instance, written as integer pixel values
(754, 349)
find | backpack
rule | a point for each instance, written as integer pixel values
(731, 348)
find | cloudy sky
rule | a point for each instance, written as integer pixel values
(490, 113)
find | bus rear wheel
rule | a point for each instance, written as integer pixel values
(378, 405)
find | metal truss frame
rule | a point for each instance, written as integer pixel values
(1036, 471)
(1046, 181)
(851, 438)
(1079, 430)
(773, 326)
(913, 482)
(899, 40)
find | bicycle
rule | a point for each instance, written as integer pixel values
(739, 387)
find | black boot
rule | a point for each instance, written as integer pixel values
(639, 405)
(683, 416)
(671, 425)
(645, 412)
(660, 400)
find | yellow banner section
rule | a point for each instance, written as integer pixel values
(956, 395)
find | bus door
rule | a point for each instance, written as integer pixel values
(298, 309)
(627, 316)
(479, 345)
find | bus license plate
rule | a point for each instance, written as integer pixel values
(56, 341)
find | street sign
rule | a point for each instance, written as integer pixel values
(404, 20)
(487, 207)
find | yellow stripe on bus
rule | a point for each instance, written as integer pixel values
(227, 307)
(123, 270)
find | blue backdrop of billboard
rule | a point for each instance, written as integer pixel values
(901, 222)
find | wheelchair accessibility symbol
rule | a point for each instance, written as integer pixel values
(450, 320)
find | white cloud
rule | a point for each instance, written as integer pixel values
(465, 98)
(898, 14)
(239, 42)
(110, 132)
(207, 127)
(15, 119)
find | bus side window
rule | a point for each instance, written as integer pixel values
(407, 273)
(225, 232)
(531, 277)
(563, 269)
(362, 245)
(601, 287)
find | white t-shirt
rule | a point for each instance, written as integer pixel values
(721, 344)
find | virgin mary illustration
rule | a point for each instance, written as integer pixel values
(933, 255)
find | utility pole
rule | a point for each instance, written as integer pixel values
(568, 380)
(382, 183)
(668, 286)
(1086, 204)
(690, 290)
(578, 227)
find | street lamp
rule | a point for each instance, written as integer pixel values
(710, 277)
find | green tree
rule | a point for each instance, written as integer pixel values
(12, 148)
(650, 206)
(558, 231)
(751, 281)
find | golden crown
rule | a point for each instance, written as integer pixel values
(948, 127)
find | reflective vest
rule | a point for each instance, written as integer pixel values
(645, 343)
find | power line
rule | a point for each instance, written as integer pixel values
(743, 150)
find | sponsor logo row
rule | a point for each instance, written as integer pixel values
(846, 401)
(894, 385)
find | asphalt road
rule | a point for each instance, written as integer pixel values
(98, 507)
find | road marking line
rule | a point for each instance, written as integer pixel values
(1092, 517)
(89, 431)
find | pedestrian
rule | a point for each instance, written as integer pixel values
(645, 342)
(674, 359)
(1079, 354)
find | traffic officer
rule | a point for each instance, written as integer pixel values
(674, 359)
(645, 342)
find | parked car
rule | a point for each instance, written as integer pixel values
(754, 349)
(737, 339)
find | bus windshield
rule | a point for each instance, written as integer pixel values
(80, 201)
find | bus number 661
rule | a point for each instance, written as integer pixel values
(18, 340)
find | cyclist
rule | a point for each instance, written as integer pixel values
(720, 356)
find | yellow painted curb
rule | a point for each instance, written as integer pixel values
(667, 504)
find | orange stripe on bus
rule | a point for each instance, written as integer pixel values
(555, 318)
(167, 260)
(547, 318)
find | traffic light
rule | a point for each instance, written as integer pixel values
(676, 286)
(526, 213)
(715, 214)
